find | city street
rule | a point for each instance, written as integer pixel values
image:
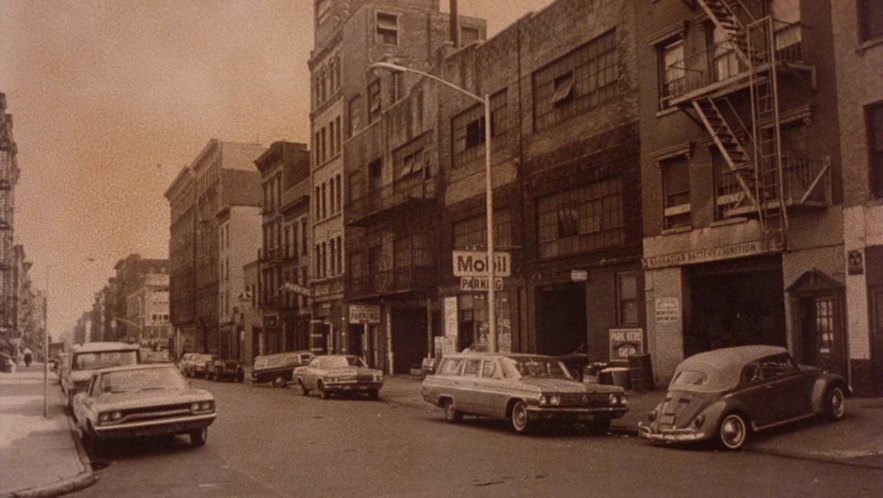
(275, 442)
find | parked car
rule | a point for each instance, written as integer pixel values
(278, 369)
(524, 389)
(142, 400)
(575, 362)
(153, 356)
(195, 364)
(86, 358)
(337, 374)
(727, 394)
(229, 369)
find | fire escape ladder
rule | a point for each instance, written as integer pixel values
(724, 17)
(766, 124)
(737, 159)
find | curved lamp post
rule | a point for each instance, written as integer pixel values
(491, 267)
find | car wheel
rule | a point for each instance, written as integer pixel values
(240, 377)
(373, 394)
(600, 425)
(198, 436)
(835, 403)
(322, 392)
(279, 381)
(90, 440)
(732, 432)
(451, 413)
(303, 388)
(519, 418)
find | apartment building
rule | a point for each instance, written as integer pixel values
(9, 176)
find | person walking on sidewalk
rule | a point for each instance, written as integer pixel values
(29, 355)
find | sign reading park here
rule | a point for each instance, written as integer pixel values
(475, 264)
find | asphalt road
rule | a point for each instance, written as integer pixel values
(275, 442)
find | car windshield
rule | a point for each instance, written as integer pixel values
(542, 368)
(689, 378)
(342, 362)
(127, 381)
(103, 359)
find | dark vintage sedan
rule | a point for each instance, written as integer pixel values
(338, 374)
(727, 394)
(277, 369)
(142, 400)
(229, 369)
(522, 388)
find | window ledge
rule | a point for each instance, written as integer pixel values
(675, 230)
(867, 44)
(729, 221)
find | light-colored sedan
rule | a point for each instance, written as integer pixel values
(524, 389)
(142, 400)
(338, 374)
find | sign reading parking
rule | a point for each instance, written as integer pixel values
(364, 313)
(474, 264)
(479, 283)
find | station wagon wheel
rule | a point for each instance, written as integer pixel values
(198, 436)
(835, 403)
(451, 413)
(303, 387)
(322, 392)
(520, 420)
(732, 432)
(279, 381)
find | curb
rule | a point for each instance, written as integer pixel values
(811, 458)
(82, 480)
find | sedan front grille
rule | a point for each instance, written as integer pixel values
(575, 399)
(156, 412)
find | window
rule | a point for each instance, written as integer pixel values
(333, 259)
(672, 76)
(354, 114)
(407, 160)
(387, 28)
(870, 18)
(468, 128)
(450, 366)
(774, 366)
(627, 298)
(874, 119)
(339, 194)
(789, 35)
(469, 35)
(339, 255)
(337, 136)
(724, 60)
(303, 235)
(582, 219)
(577, 82)
(375, 174)
(472, 369)
(374, 101)
(324, 203)
(472, 232)
(676, 192)
(331, 195)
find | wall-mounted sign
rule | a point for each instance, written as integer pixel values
(579, 275)
(625, 342)
(474, 264)
(740, 250)
(855, 262)
(364, 313)
(450, 311)
(668, 310)
(297, 289)
(479, 283)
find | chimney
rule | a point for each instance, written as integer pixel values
(455, 25)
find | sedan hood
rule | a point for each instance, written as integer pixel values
(569, 386)
(352, 371)
(681, 407)
(122, 401)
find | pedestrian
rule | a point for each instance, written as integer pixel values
(28, 357)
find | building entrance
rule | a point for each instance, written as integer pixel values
(877, 339)
(561, 318)
(736, 303)
(409, 341)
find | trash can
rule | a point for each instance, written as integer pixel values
(640, 372)
(591, 372)
(616, 376)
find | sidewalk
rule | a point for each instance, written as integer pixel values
(38, 456)
(855, 440)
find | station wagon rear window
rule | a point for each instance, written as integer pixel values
(104, 359)
(450, 366)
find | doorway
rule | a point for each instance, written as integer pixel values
(876, 296)
(562, 322)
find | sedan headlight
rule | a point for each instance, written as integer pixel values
(554, 400)
(103, 417)
(116, 415)
(613, 399)
(378, 376)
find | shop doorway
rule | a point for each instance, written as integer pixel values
(734, 303)
(355, 340)
(408, 337)
(818, 326)
(561, 313)
(876, 296)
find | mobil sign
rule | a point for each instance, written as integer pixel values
(475, 264)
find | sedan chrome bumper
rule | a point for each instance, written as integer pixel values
(174, 425)
(669, 435)
(352, 385)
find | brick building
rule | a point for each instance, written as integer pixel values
(148, 307)
(858, 55)
(221, 177)
(9, 176)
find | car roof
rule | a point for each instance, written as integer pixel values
(737, 356)
(91, 347)
(514, 356)
(142, 366)
(285, 353)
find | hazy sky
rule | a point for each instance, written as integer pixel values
(110, 99)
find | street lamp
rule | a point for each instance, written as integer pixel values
(486, 102)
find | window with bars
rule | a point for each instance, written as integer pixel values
(676, 192)
(472, 232)
(874, 119)
(577, 82)
(870, 19)
(672, 75)
(468, 128)
(374, 101)
(387, 28)
(583, 219)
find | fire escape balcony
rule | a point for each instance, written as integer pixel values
(385, 283)
(723, 68)
(400, 196)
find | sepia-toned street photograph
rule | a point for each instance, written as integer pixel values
(435, 248)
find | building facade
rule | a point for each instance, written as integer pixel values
(9, 176)
(221, 176)
(147, 311)
(742, 198)
(284, 295)
(858, 49)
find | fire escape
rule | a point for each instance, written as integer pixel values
(7, 182)
(750, 56)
